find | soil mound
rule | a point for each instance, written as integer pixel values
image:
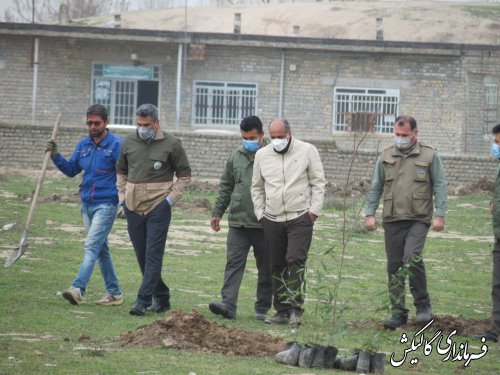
(481, 187)
(445, 323)
(354, 189)
(182, 330)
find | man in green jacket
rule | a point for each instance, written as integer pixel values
(494, 331)
(408, 174)
(148, 162)
(244, 229)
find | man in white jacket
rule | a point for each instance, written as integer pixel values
(288, 187)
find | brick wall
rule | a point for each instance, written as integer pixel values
(22, 147)
(444, 92)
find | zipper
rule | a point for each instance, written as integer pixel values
(92, 169)
(284, 182)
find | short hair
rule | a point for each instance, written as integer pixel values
(285, 122)
(496, 129)
(404, 119)
(251, 122)
(98, 110)
(146, 110)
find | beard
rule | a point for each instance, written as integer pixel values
(95, 133)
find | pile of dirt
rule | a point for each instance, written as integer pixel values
(481, 187)
(445, 323)
(203, 186)
(54, 197)
(354, 189)
(182, 330)
(194, 205)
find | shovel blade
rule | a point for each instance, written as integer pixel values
(15, 255)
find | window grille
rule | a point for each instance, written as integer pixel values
(223, 103)
(356, 108)
(490, 108)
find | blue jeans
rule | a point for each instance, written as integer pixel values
(98, 220)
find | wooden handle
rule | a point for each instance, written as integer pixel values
(42, 174)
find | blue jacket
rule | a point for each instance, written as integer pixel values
(98, 163)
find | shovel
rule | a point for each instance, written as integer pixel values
(19, 251)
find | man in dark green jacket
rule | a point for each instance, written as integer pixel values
(244, 229)
(494, 331)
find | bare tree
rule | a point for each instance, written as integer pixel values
(48, 10)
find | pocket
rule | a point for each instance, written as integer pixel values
(422, 204)
(421, 171)
(388, 167)
(387, 211)
(157, 164)
(235, 202)
(129, 197)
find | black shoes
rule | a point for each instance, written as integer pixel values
(220, 309)
(157, 307)
(138, 309)
(396, 321)
(488, 336)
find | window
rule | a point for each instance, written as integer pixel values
(490, 108)
(223, 103)
(121, 88)
(357, 109)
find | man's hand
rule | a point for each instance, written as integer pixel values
(215, 223)
(437, 223)
(52, 147)
(370, 223)
(313, 217)
(120, 214)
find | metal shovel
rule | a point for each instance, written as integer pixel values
(19, 251)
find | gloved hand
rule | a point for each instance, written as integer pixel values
(120, 214)
(52, 147)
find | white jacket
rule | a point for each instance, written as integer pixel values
(286, 186)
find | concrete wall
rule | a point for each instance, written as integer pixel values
(22, 147)
(444, 92)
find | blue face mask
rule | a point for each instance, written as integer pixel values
(251, 146)
(495, 150)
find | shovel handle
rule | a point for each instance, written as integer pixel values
(41, 178)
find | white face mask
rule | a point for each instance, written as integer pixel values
(145, 133)
(279, 144)
(402, 142)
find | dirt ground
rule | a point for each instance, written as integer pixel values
(445, 323)
(183, 330)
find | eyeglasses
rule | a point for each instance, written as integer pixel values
(95, 123)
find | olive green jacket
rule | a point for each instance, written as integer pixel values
(408, 183)
(234, 191)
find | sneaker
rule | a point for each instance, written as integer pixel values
(423, 315)
(396, 321)
(279, 318)
(110, 300)
(73, 295)
(138, 309)
(488, 336)
(220, 309)
(156, 307)
(261, 316)
(295, 318)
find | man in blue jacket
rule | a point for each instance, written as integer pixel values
(96, 155)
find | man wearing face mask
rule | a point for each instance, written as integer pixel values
(96, 156)
(148, 162)
(408, 174)
(492, 333)
(244, 229)
(288, 187)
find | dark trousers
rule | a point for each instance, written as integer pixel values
(289, 242)
(239, 241)
(495, 291)
(404, 244)
(148, 234)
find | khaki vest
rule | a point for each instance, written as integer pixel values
(407, 184)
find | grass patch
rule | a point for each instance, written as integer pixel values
(41, 333)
